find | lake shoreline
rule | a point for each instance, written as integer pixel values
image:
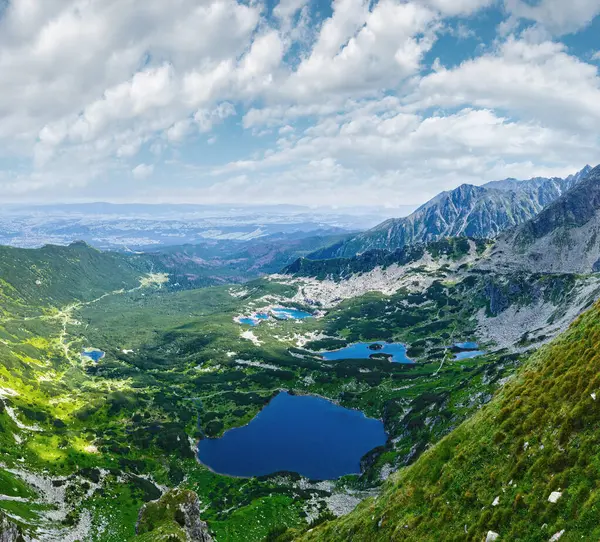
(348, 431)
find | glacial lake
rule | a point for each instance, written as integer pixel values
(397, 351)
(290, 314)
(470, 350)
(297, 433)
(254, 320)
(94, 354)
(280, 313)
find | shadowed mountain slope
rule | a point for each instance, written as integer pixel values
(562, 238)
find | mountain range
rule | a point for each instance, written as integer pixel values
(467, 211)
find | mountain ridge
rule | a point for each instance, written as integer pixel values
(468, 210)
(563, 237)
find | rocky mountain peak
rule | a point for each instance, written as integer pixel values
(581, 174)
(467, 211)
(575, 208)
(563, 238)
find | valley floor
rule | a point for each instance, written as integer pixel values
(84, 443)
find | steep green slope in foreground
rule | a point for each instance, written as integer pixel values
(540, 434)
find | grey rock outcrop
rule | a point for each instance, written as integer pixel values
(195, 528)
(9, 532)
(177, 509)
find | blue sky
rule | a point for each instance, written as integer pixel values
(338, 103)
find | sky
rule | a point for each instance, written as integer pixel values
(339, 103)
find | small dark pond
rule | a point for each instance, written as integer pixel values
(470, 350)
(467, 346)
(297, 433)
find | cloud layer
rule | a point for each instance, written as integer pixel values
(229, 101)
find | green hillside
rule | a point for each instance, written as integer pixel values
(54, 275)
(85, 444)
(496, 472)
(124, 427)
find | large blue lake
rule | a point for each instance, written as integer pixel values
(396, 351)
(303, 434)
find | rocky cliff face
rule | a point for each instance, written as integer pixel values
(177, 515)
(564, 237)
(468, 211)
(9, 532)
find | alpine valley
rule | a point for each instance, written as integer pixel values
(437, 377)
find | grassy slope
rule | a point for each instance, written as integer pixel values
(540, 434)
(36, 379)
(34, 280)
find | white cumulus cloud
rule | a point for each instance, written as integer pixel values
(557, 16)
(142, 171)
(350, 106)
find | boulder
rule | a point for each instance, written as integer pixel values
(9, 532)
(178, 512)
(554, 496)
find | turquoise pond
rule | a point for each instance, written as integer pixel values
(396, 351)
(279, 313)
(254, 320)
(290, 314)
(295, 433)
(94, 355)
(469, 354)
